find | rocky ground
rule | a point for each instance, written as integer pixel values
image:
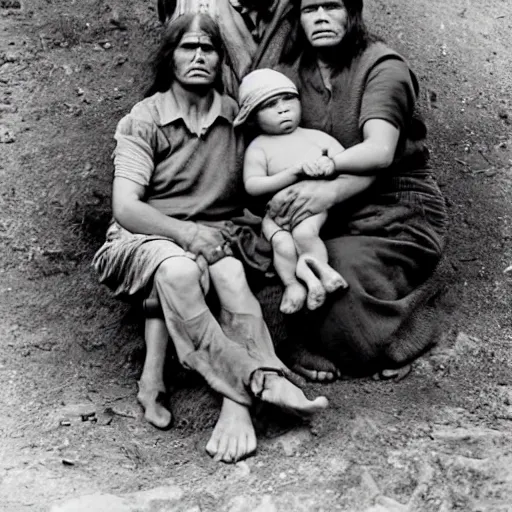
(72, 436)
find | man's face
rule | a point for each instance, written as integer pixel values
(324, 22)
(279, 115)
(195, 60)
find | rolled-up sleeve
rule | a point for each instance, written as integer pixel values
(390, 94)
(134, 155)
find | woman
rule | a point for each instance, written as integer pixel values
(177, 203)
(386, 241)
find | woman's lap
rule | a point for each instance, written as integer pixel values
(388, 255)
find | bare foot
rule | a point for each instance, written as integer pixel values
(313, 367)
(293, 299)
(233, 437)
(272, 387)
(316, 291)
(330, 279)
(394, 374)
(154, 401)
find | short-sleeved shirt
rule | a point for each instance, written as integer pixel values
(187, 175)
(378, 84)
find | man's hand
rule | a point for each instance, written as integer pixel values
(210, 243)
(297, 202)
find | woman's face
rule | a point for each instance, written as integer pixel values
(324, 22)
(195, 60)
(279, 115)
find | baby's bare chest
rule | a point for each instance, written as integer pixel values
(285, 154)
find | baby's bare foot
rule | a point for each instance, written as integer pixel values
(293, 299)
(331, 280)
(273, 388)
(154, 402)
(233, 437)
(316, 292)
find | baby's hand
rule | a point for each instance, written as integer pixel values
(321, 167)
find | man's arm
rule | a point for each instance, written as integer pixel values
(131, 212)
(257, 181)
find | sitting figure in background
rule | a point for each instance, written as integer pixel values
(282, 154)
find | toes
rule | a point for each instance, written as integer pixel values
(316, 297)
(308, 374)
(212, 447)
(335, 282)
(221, 449)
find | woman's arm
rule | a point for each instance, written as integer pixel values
(257, 181)
(358, 167)
(376, 152)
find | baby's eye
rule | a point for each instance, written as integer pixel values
(270, 103)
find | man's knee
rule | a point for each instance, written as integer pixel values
(229, 274)
(178, 273)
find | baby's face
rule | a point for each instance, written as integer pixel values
(279, 115)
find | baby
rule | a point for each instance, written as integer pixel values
(282, 154)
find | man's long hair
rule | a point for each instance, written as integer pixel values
(354, 42)
(163, 66)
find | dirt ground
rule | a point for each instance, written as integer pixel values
(440, 440)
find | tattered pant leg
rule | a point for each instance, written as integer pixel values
(201, 345)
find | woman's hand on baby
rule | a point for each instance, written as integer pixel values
(291, 206)
(319, 168)
(210, 243)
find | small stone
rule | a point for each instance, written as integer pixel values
(6, 135)
(242, 469)
(502, 113)
(107, 45)
(266, 505)
(79, 91)
(84, 410)
(291, 441)
(6, 108)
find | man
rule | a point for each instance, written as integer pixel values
(254, 31)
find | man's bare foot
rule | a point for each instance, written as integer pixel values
(316, 292)
(293, 299)
(313, 367)
(330, 279)
(271, 386)
(233, 437)
(154, 401)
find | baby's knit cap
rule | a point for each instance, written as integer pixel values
(259, 86)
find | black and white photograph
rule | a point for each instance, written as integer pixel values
(256, 255)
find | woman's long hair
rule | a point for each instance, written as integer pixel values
(162, 64)
(354, 42)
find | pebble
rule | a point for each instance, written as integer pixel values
(161, 498)
(82, 410)
(293, 440)
(5, 108)
(6, 135)
(266, 505)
